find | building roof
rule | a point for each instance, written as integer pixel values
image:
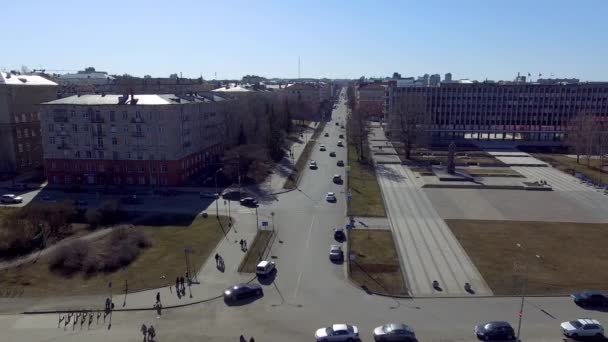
(302, 86)
(141, 100)
(232, 89)
(10, 79)
(97, 74)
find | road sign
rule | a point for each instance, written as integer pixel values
(264, 223)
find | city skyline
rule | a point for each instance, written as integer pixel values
(335, 40)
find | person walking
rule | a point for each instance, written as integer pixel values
(242, 339)
(251, 339)
(151, 333)
(144, 331)
(217, 257)
(157, 297)
(241, 243)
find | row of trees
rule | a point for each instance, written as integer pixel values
(587, 136)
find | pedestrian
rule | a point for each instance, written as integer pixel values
(245, 244)
(251, 339)
(241, 243)
(151, 333)
(158, 297)
(242, 339)
(217, 256)
(181, 280)
(144, 331)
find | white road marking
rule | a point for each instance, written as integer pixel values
(295, 292)
(310, 232)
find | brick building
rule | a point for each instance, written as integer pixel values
(370, 99)
(20, 142)
(506, 110)
(131, 140)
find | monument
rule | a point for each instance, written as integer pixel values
(451, 153)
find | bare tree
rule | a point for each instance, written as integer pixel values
(582, 135)
(413, 122)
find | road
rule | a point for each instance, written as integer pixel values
(309, 291)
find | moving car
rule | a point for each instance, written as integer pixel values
(242, 291)
(590, 298)
(340, 143)
(313, 165)
(341, 136)
(337, 332)
(264, 268)
(337, 179)
(332, 154)
(340, 163)
(10, 199)
(336, 253)
(495, 331)
(326, 135)
(249, 202)
(322, 147)
(339, 234)
(331, 197)
(394, 332)
(582, 327)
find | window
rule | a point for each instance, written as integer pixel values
(138, 115)
(18, 133)
(100, 154)
(112, 115)
(88, 154)
(128, 155)
(73, 113)
(33, 132)
(163, 168)
(85, 128)
(140, 169)
(100, 142)
(51, 127)
(20, 147)
(75, 127)
(52, 140)
(114, 141)
(115, 157)
(26, 132)
(113, 128)
(77, 155)
(27, 146)
(140, 156)
(142, 180)
(125, 115)
(23, 118)
(16, 118)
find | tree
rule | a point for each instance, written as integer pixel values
(396, 75)
(581, 135)
(413, 122)
(89, 70)
(288, 118)
(275, 137)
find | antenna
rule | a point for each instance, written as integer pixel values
(299, 67)
(215, 75)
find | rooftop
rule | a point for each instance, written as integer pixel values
(11, 79)
(140, 100)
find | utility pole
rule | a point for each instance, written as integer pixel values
(524, 289)
(257, 223)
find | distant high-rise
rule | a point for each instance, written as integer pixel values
(435, 79)
(448, 77)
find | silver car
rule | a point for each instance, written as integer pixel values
(336, 253)
(394, 332)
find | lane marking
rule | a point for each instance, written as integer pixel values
(310, 232)
(295, 292)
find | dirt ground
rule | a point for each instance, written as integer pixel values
(572, 256)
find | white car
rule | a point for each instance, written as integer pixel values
(394, 332)
(336, 253)
(582, 327)
(10, 199)
(264, 268)
(340, 143)
(337, 332)
(331, 197)
(313, 165)
(321, 147)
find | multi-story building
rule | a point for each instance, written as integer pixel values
(20, 142)
(505, 110)
(370, 99)
(435, 79)
(131, 140)
(306, 97)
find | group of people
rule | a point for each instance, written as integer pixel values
(180, 286)
(148, 332)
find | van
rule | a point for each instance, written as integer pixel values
(264, 268)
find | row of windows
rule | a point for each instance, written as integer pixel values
(124, 114)
(26, 117)
(98, 128)
(102, 168)
(67, 179)
(26, 133)
(503, 90)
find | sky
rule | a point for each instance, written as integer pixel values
(473, 39)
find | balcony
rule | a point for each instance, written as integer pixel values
(97, 119)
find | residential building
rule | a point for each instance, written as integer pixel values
(434, 80)
(370, 99)
(20, 142)
(306, 97)
(156, 139)
(530, 113)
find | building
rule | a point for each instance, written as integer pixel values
(370, 99)
(434, 80)
(448, 77)
(159, 139)
(306, 97)
(20, 142)
(530, 113)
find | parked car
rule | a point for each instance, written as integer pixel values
(326, 135)
(313, 165)
(341, 136)
(590, 298)
(394, 332)
(331, 197)
(582, 327)
(264, 268)
(337, 332)
(337, 179)
(249, 202)
(10, 199)
(495, 331)
(242, 291)
(336, 253)
(339, 234)
(332, 154)
(340, 143)
(340, 163)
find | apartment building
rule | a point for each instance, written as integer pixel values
(155, 139)
(20, 142)
(370, 99)
(505, 110)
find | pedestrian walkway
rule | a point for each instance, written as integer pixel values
(428, 249)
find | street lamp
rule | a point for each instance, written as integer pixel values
(217, 194)
(524, 288)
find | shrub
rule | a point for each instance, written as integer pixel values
(69, 258)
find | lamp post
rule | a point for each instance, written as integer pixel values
(217, 194)
(524, 288)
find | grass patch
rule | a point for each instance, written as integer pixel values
(376, 266)
(294, 177)
(362, 181)
(165, 257)
(589, 168)
(256, 252)
(574, 256)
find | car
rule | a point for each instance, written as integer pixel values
(322, 147)
(336, 253)
(337, 123)
(340, 143)
(242, 291)
(330, 197)
(495, 331)
(341, 136)
(582, 327)
(342, 126)
(394, 332)
(264, 268)
(326, 135)
(339, 234)
(232, 195)
(313, 165)
(208, 194)
(337, 179)
(332, 154)
(249, 202)
(340, 163)
(590, 298)
(10, 199)
(337, 332)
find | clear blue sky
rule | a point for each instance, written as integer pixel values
(472, 39)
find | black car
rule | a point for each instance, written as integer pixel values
(249, 202)
(339, 234)
(337, 124)
(341, 136)
(495, 331)
(242, 291)
(332, 154)
(590, 299)
(340, 163)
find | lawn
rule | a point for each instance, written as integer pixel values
(376, 266)
(569, 165)
(362, 181)
(294, 178)
(573, 256)
(256, 252)
(156, 266)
